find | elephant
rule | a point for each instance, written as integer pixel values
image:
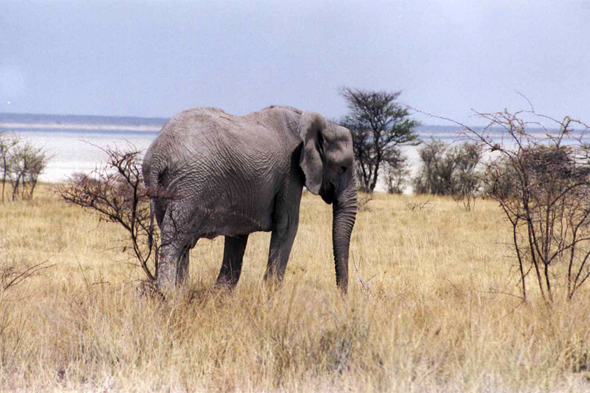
(212, 174)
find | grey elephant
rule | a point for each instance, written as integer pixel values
(213, 174)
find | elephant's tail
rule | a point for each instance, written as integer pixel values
(151, 230)
(151, 175)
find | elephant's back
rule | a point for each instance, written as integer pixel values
(193, 124)
(214, 129)
(207, 148)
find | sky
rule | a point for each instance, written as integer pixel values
(154, 58)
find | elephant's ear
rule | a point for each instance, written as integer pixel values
(311, 127)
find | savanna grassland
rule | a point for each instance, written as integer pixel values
(433, 305)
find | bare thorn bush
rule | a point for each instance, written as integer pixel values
(12, 275)
(117, 193)
(542, 183)
(416, 206)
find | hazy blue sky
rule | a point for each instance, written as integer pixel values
(156, 58)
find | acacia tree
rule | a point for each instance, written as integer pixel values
(6, 145)
(379, 125)
(26, 163)
(21, 163)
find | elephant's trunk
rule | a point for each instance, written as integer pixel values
(344, 210)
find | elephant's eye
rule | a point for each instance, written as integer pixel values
(343, 168)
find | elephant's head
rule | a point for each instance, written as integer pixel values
(327, 160)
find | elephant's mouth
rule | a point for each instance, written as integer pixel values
(328, 193)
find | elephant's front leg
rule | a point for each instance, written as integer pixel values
(233, 255)
(284, 230)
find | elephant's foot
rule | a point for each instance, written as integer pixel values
(148, 289)
(224, 282)
(166, 279)
(273, 281)
(228, 278)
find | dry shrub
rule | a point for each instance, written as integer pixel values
(542, 183)
(396, 177)
(117, 193)
(13, 275)
(450, 170)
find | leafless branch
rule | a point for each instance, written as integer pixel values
(117, 193)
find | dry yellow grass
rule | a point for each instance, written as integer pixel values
(430, 308)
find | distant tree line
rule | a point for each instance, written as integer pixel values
(21, 163)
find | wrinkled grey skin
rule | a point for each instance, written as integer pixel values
(230, 176)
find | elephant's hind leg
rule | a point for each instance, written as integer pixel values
(233, 255)
(177, 240)
(182, 268)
